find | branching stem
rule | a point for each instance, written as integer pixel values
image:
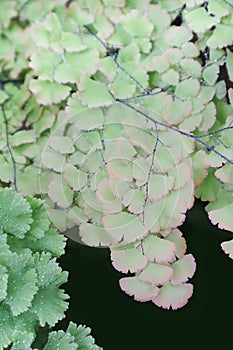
(196, 138)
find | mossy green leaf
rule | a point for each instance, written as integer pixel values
(65, 341)
(6, 327)
(41, 222)
(21, 283)
(22, 340)
(15, 213)
(82, 337)
(4, 282)
(51, 242)
(49, 305)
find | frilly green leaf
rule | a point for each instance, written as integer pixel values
(74, 338)
(21, 283)
(82, 337)
(15, 213)
(4, 282)
(65, 341)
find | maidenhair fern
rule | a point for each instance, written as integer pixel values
(30, 296)
(118, 114)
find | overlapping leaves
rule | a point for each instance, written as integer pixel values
(30, 297)
(122, 95)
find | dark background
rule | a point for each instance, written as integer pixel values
(119, 322)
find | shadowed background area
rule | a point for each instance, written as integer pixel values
(119, 322)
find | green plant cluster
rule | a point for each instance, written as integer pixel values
(116, 112)
(30, 294)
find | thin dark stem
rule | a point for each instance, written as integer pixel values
(150, 172)
(196, 138)
(229, 3)
(22, 7)
(217, 131)
(149, 93)
(115, 60)
(8, 145)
